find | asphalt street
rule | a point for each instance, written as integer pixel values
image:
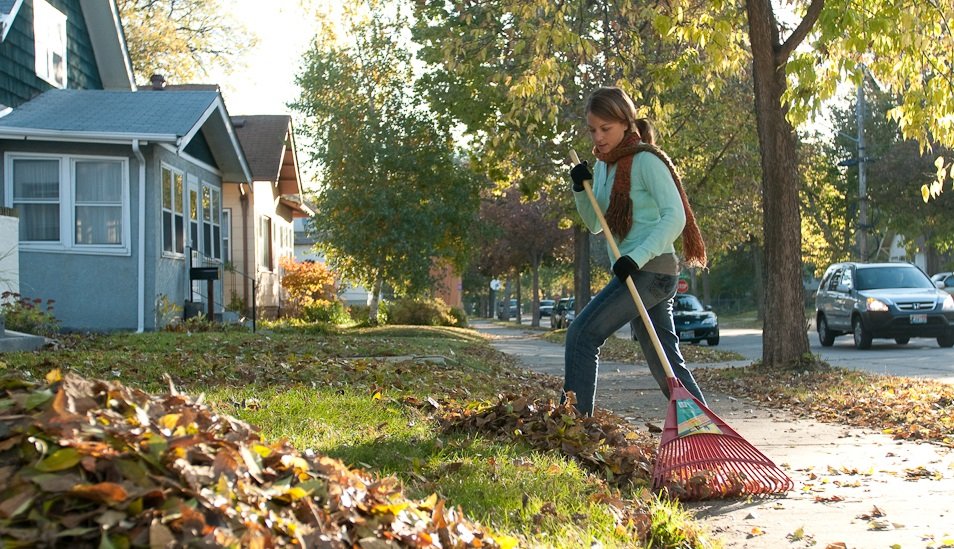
(920, 358)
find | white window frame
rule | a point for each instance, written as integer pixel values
(67, 202)
(49, 40)
(214, 219)
(266, 260)
(162, 209)
(194, 187)
(226, 235)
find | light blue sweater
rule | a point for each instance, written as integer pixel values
(658, 214)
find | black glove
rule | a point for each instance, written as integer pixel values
(625, 267)
(580, 173)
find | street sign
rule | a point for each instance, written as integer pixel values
(682, 286)
(495, 285)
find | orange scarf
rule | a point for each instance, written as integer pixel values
(619, 214)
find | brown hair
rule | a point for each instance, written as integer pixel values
(612, 103)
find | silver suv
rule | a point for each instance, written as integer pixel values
(882, 300)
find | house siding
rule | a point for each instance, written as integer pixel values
(90, 292)
(170, 277)
(99, 292)
(18, 80)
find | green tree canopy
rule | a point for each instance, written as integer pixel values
(394, 194)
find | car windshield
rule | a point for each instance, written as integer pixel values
(687, 303)
(891, 277)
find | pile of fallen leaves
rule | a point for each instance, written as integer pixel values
(604, 443)
(906, 408)
(96, 463)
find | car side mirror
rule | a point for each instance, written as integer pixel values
(708, 307)
(939, 284)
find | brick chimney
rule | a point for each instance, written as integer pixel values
(158, 81)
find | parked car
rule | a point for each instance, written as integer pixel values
(512, 313)
(546, 307)
(563, 313)
(882, 300)
(944, 281)
(693, 321)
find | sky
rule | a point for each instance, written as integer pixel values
(266, 82)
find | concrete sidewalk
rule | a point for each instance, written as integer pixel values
(853, 486)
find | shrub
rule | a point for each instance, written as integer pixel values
(22, 314)
(421, 312)
(326, 311)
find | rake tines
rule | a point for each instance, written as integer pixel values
(700, 457)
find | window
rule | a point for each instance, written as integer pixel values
(211, 221)
(265, 237)
(173, 241)
(49, 31)
(98, 202)
(36, 194)
(70, 203)
(193, 212)
(226, 235)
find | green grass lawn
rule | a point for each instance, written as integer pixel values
(375, 399)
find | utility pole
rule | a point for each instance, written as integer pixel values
(862, 183)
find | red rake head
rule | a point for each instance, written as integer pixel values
(700, 457)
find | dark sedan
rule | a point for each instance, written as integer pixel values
(882, 300)
(694, 323)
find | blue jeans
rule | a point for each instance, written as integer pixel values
(609, 311)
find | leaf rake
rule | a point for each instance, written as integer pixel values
(700, 456)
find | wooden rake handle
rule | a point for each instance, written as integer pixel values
(643, 314)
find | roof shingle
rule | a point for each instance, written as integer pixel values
(119, 112)
(263, 141)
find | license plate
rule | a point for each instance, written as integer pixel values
(919, 319)
(687, 335)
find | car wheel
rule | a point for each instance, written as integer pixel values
(902, 340)
(861, 334)
(946, 340)
(825, 336)
(713, 341)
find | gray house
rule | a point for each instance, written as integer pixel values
(119, 195)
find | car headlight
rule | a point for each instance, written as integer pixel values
(873, 304)
(709, 321)
(948, 304)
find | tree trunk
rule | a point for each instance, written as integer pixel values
(784, 338)
(518, 300)
(581, 266)
(375, 299)
(535, 296)
(758, 290)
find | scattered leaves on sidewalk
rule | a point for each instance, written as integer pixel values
(95, 463)
(905, 408)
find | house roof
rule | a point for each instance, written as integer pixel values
(269, 144)
(123, 116)
(263, 138)
(109, 44)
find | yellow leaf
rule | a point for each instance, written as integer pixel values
(430, 502)
(506, 542)
(939, 162)
(169, 421)
(925, 193)
(392, 509)
(54, 376)
(376, 396)
(296, 493)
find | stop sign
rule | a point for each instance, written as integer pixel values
(683, 286)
